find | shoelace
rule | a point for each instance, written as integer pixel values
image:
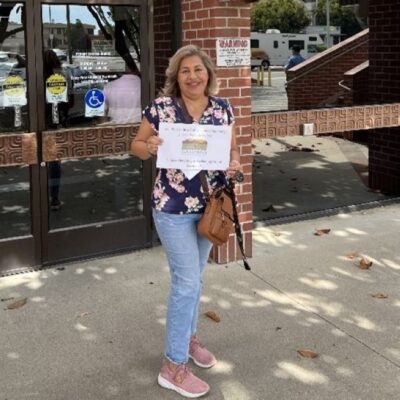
(181, 372)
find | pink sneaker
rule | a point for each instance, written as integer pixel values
(200, 355)
(182, 381)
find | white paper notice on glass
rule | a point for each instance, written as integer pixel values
(193, 147)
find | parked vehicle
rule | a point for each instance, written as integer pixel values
(278, 45)
(259, 58)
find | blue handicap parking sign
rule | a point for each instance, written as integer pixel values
(94, 98)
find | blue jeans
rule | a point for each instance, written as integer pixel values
(187, 254)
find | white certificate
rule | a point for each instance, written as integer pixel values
(193, 147)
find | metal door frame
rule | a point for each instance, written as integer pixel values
(24, 252)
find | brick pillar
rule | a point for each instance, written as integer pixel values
(384, 82)
(203, 21)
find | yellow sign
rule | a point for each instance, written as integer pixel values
(56, 84)
(56, 89)
(14, 91)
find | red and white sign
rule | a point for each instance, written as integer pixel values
(233, 52)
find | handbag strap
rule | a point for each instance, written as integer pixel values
(204, 184)
(238, 230)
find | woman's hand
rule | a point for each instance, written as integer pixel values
(234, 166)
(152, 144)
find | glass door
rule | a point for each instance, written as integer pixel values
(71, 94)
(92, 80)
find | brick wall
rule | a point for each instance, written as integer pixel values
(314, 83)
(357, 80)
(363, 6)
(203, 21)
(384, 86)
(162, 40)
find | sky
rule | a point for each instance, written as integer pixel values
(58, 14)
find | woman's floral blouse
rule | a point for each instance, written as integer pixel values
(173, 193)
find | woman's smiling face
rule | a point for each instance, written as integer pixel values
(192, 77)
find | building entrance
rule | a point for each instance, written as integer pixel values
(73, 79)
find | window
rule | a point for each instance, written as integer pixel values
(276, 44)
(299, 43)
(312, 38)
(254, 43)
(312, 48)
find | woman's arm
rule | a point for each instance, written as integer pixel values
(146, 143)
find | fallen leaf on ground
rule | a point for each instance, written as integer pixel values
(17, 304)
(293, 148)
(352, 255)
(321, 232)
(276, 233)
(380, 296)
(212, 315)
(307, 353)
(269, 208)
(8, 299)
(365, 263)
(83, 314)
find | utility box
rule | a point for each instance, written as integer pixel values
(308, 129)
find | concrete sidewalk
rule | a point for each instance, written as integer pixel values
(94, 330)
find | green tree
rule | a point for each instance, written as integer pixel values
(339, 16)
(288, 16)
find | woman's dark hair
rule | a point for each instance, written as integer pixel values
(50, 62)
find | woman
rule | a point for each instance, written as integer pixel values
(178, 204)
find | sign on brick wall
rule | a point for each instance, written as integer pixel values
(233, 52)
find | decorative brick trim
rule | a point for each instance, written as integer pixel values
(18, 149)
(326, 120)
(87, 142)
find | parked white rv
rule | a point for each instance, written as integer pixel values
(278, 45)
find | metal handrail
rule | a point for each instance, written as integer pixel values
(344, 86)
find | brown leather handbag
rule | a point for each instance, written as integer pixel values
(216, 224)
(220, 216)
